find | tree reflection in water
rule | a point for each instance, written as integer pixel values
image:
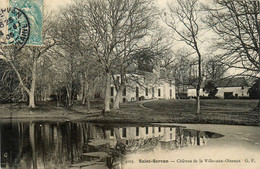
(63, 145)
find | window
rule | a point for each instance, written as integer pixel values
(124, 133)
(170, 93)
(152, 92)
(137, 131)
(159, 129)
(124, 100)
(153, 129)
(112, 132)
(171, 136)
(147, 130)
(124, 92)
(171, 129)
(112, 91)
(146, 91)
(159, 92)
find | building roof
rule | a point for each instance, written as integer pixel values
(228, 82)
(232, 82)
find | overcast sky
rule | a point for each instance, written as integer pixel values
(54, 4)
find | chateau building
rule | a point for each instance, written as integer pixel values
(145, 86)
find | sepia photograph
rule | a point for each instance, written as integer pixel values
(130, 84)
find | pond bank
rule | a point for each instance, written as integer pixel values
(232, 112)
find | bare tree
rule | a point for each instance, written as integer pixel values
(214, 69)
(238, 28)
(70, 51)
(139, 58)
(75, 62)
(91, 79)
(31, 54)
(9, 84)
(183, 20)
(46, 76)
(114, 26)
(184, 72)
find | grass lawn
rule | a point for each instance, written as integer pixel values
(217, 111)
(236, 112)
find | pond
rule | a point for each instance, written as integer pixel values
(50, 144)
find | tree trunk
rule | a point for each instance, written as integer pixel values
(107, 93)
(69, 101)
(85, 92)
(258, 51)
(199, 78)
(258, 105)
(45, 95)
(68, 96)
(20, 79)
(31, 100)
(83, 101)
(32, 89)
(118, 97)
(72, 99)
(57, 97)
(88, 103)
(198, 98)
(81, 91)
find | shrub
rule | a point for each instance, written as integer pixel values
(254, 91)
(141, 98)
(210, 88)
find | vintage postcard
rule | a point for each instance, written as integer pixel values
(129, 84)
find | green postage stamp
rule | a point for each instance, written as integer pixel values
(21, 22)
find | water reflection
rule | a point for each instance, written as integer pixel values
(81, 145)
